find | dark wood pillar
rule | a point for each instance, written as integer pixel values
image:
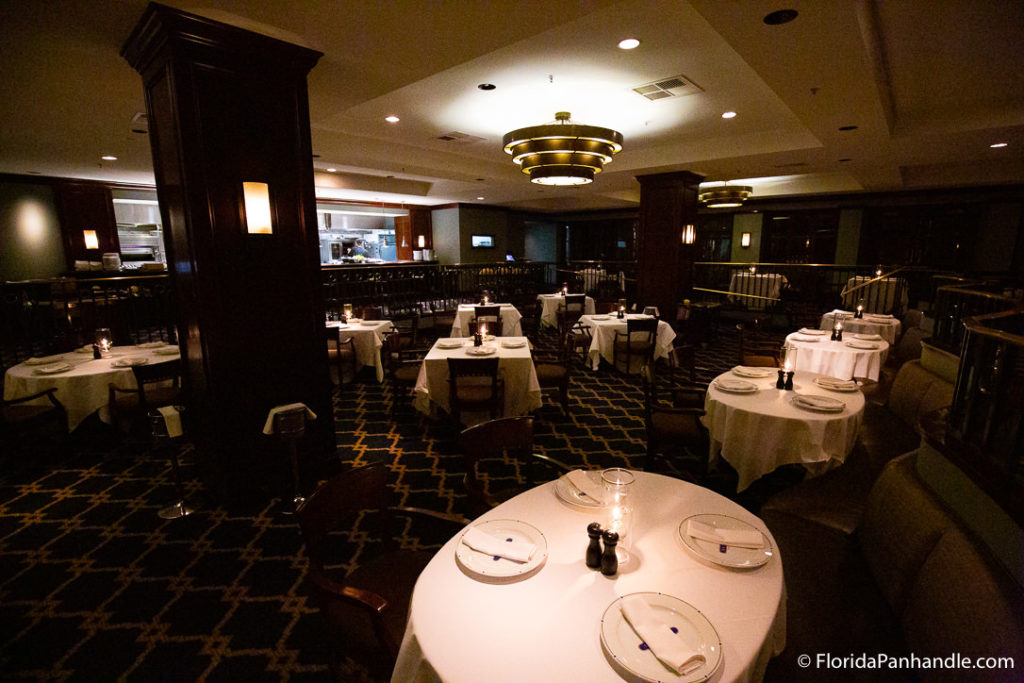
(228, 106)
(668, 201)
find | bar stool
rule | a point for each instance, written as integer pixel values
(164, 441)
(289, 426)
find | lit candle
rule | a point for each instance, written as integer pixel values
(483, 329)
(860, 308)
(788, 365)
(839, 326)
(753, 269)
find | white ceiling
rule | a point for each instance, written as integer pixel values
(930, 85)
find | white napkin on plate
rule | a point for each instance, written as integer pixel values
(836, 383)
(868, 337)
(740, 538)
(812, 332)
(519, 551)
(734, 384)
(663, 643)
(45, 360)
(586, 485)
(806, 340)
(268, 426)
(819, 401)
(172, 419)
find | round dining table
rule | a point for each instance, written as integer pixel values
(548, 624)
(885, 326)
(857, 355)
(757, 431)
(83, 386)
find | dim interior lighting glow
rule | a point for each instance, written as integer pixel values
(723, 195)
(332, 170)
(728, 115)
(91, 241)
(745, 240)
(108, 157)
(562, 153)
(257, 208)
(392, 119)
(628, 43)
(997, 145)
(31, 222)
(689, 234)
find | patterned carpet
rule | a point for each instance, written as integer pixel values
(94, 586)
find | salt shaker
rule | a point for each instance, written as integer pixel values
(609, 562)
(594, 548)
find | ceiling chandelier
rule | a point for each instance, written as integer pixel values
(562, 153)
(715, 196)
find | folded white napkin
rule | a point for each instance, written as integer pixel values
(663, 643)
(806, 340)
(819, 401)
(832, 382)
(519, 551)
(868, 337)
(172, 419)
(740, 538)
(586, 485)
(45, 360)
(733, 384)
(812, 332)
(268, 426)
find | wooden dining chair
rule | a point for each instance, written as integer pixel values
(401, 367)
(373, 313)
(488, 449)
(634, 348)
(341, 352)
(474, 386)
(158, 384)
(554, 370)
(492, 326)
(487, 314)
(407, 326)
(672, 421)
(569, 314)
(24, 424)
(756, 350)
(364, 610)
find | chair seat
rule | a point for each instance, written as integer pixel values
(157, 396)
(343, 352)
(638, 348)
(672, 426)
(407, 374)
(473, 393)
(392, 576)
(760, 361)
(551, 374)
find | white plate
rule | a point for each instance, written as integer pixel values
(513, 343)
(804, 340)
(480, 350)
(862, 345)
(819, 404)
(734, 386)
(53, 368)
(491, 566)
(338, 326)
(624, 645)
(169, 350)
(868, 337)
(46, 360)
(808, 330)
(832, 386)
(571, 495)
(368, 323)
(733, 556)
(756, 373)
(600, 317)
(151, 345)
(128, 362)
(450, 343)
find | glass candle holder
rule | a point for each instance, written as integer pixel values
(104, 340)
(347, 311)
(619, 484)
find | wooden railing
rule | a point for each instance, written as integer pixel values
(957, 303)
(39, 317)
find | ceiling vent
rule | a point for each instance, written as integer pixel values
(461, 138)
(140, 123)
(674, 86)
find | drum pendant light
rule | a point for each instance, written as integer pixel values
(562, 153)
(715, 196)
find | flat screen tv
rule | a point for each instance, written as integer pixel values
(482, 241)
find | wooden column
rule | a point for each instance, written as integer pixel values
(228, 106)
(668, 201)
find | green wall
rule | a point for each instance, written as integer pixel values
(30, 240)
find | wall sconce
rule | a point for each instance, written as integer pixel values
(689, 234)
(91, 241)
(421, 241)
(745, 240)
(257, 208)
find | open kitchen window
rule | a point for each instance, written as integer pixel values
(139, 230)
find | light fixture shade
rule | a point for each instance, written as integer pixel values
(91, 241)
(257, 208)
(689, 234)
(745, 239)
(422, 241)
(562, 153)
(724, 196)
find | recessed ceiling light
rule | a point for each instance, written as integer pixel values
(487, 86)
(728, 114)
(628, 43)
(997, 145)
(480, 198)
(392, 119)
(332, 170)
(847, 127)
(782, 16)
(108, 157)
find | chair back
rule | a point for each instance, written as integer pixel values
(757, 351)
(473, 385)
(150, 374)
(636, 347)
(335, 504)
(493, 326)
(487, 313)
(373, 312)
(683, 361)
(291, 423)
(510, 437)
(575, 304)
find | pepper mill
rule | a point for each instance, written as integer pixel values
(594, 548)
(96, 352)
(609, 561)
(781, 383)
(478, 339)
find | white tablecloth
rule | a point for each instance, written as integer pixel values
(547, 627)
(756, 285)
(84, 389)
(839, 358)
(510, 318)
(550, 303)
(522, 390)
(758, 432)
(368, 339)
(602, 344)
(887, 327)
(882, 296)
